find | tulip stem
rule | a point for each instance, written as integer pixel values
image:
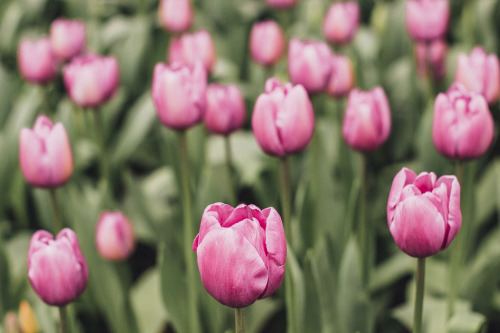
(286, 197)
(102, 148)
(419, 295)
(63, 324)
(239, 318)
(230, 171)
(364, 233)
(55, 210)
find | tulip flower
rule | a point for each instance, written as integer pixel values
(267, 43)
(427, 19)
(479, 72)
(423, 212)
(283, 118)
(431, 58)
(191, 48)
(342, 77)
(226, 110)
(68, 38)
(309, 64)
(27, 318)
(281, 4)
(91, 80)
(367, 119)
(463, 127)
(57, 269)
(114, 236)
(37, 61)
(241, 253)
(341, 22)
(175, 15)
(179, 94)
(45, 154)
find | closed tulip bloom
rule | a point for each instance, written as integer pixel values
(283, 118)
(226, 110)
(367, 119)
(241, 253)
(281, 4)
(191, 48)
(479, 72)
(427, 19)
(91, 80)
(37, 61)
(45, 154)
(309, 64)
(68, 38)
(423, 212)
(463, 127)
(179, 94)
(57, 269)
(175, 15)
(342, 78)
(431, 57)
(114, 236)
(341, 22)
(267, 43)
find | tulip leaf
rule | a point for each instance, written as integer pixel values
(295, 294)
(467, 322)
(389, 271)
(4, 282)
(312, 309)
(259, 313)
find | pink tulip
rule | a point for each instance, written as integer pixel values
(175, 15)
(463, 126)
(427, 19)
(114, 236)
(367, 119)
(191, 48)
(267, 43)
(283, 118)
(226, 110)
(37, 61)
(309, 64)
(91, 80)
(479, 72)
(57, 269)
(341, 22)
(423, 214)
(241, 253)
(431, 57)
(342, 78)
(179, 94)
(68, 38)
(281, 4)
(45, 154)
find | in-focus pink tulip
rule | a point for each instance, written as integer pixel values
(226, 111)
(427, 19)
(431, 57)
(45, 154)
(175, 15)
(367, 119)
(283, 118)
(191, 48)
(463, 127)
(241, 253)
(267, 43)
(91, 80)
(114, 236)
(342, 78)
(37, 61)
(309, 64)
(57, 269)
(68, 38)
(341, 22)
(179, 94)
(423, 213)
(281, 4)
(479, 72)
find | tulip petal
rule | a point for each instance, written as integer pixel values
(402, 178)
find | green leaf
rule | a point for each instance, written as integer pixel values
(389, 271)
(295, 294)
(467, 322)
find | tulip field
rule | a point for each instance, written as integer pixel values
(262, 166)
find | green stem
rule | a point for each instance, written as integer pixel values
(364, 233)
(230, 171)
(239, 318)
(286, 197)
(63, 325)
(419, 296)
(103, 163)
(55, 210)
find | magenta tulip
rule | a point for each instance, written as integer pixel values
(114, 236)
(241, 253)
(226, 110)
(57, 269)
(45, 154)
(431, 57)
(37, 61)
(281, 4)
(68, 38)
(175, 15)
(267, 43)
(342, 78)
(191, 48)
(423, 213)
(341, 22)
(427, 19)
(463, 127)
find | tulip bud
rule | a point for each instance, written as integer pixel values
(191, 48)
(281, 4)
(480, 73)
(342, 77)
(57, 269)
(431, 58)
(226, 110)
(463, 127)
(175, 15)
(114, 237)
(27, 318)
(267, 43)
(367, 119)
(341, 22)
(179, 94)
(423, 214)
(45, 154)
(241, 253)
(37, 61)
(68, 38)
(427, 19)
(91, 80)
(283, 118)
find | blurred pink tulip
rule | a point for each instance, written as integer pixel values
(37, 61)
(463, 127)
(68, 38)
(283, 118)
(114, 236)
(241, 253)
(342, 77)
(45, 154)
(267, 43)
(341, 22)
(427, 19)
(226, 110)
(281, 4)
(191, 48)
(423, 213)
(431, 57)
(175, 15)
